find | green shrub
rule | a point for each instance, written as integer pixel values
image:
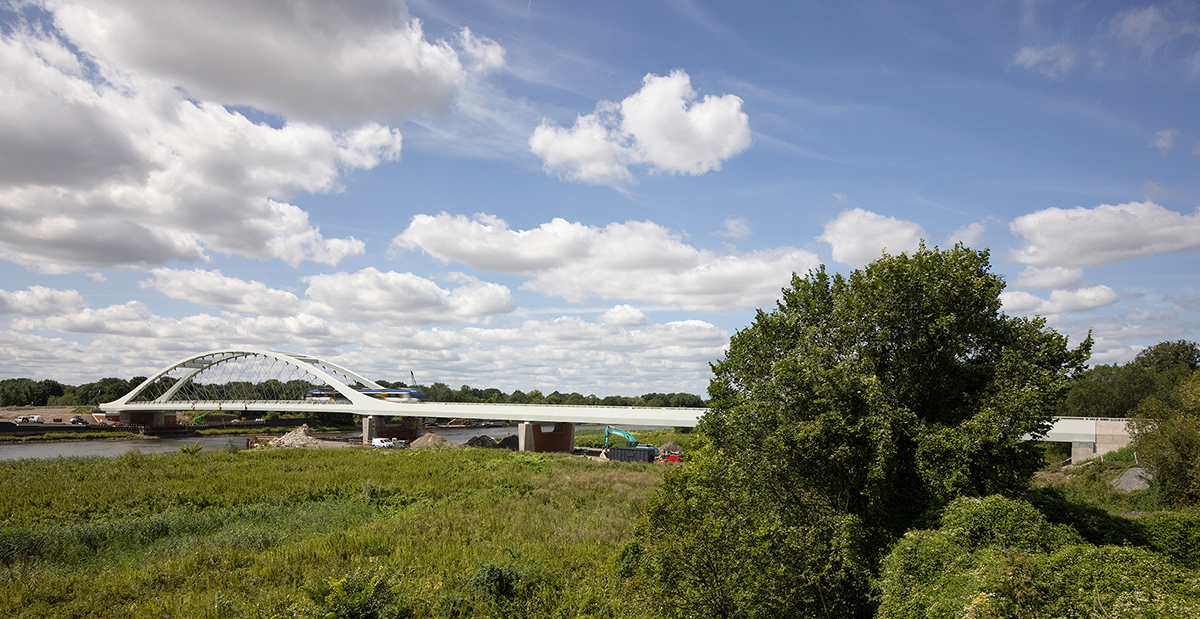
(1171, 448)
(362, 594)
(496, 581)
(1046, 571)
(1175, 534)
(973, 523)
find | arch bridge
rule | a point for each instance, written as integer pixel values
(253, 380)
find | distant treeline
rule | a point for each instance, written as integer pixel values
(441, 392)
(25, 392)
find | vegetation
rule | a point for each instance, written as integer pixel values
(856, 409)
(60, 436)
(998, 557)
(595, 438)
(864, 456)
(292, 533)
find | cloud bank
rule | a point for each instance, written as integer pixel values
(635, 260)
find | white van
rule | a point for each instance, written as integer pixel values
(385, 443)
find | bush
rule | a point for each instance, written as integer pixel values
(1043, 571)
(362, 594)
(975, 523)
(1171, 448)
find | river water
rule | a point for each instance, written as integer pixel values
(110, 448)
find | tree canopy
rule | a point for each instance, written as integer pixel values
(855, 408)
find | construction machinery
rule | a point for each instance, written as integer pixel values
(634, 452)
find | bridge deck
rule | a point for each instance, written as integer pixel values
(544, 413)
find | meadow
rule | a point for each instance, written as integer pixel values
(292, 533)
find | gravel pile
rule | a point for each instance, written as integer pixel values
(433, 440)
(483, 440)
(302, 438)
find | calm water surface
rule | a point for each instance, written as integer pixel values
(111, 448)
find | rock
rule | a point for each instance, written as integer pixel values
(1136, 478)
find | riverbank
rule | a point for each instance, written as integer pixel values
(243, 534)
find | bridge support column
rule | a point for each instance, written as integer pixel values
(560, 439)
(1082, 450)
(370, 429)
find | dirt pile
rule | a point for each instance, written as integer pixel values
(302, 438)
(512, 441)
(433, 440)
(483, 440)
(670, 447)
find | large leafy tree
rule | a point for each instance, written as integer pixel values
(854, 409)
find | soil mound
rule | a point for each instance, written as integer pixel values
(433, 440)
(671, 447)
(512, 441)
(483, 440)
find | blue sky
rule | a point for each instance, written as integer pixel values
(577, 196)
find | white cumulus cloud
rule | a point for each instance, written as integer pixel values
(121, 143)
(968, 235)
(339, 63)
(662, 125)
(371, 295)
(623, 316)
(1082, 237)
(212, 289)
(39, 301)
(859, 237)
(635, 260)
(1049, 278)
(1060, 301)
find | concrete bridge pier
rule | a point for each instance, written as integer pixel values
(370, 428)
(560, 439)
(1082, 450)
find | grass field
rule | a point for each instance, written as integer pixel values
(291, 533)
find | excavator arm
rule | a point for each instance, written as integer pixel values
(609, 430)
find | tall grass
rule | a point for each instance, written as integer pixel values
(246, 534)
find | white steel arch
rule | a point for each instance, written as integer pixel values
(361, 404)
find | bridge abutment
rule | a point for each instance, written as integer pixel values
(560, 439)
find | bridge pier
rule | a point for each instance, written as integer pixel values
(1082, 450)
(560, 439)
(370, 428)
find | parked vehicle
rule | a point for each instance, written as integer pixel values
(383, 443)
(78, 421)
(31, 419)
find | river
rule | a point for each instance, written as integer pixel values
(110, 447)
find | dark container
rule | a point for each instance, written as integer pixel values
(645, 453)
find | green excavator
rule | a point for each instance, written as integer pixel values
(609, 431)
(634, 452)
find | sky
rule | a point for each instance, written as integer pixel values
(573, 196)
